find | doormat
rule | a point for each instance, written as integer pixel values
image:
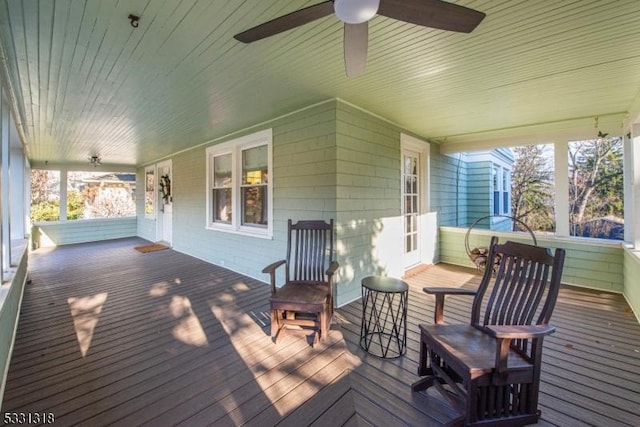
(151, 248)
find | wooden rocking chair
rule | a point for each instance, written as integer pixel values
(306, 298)
(490, 369)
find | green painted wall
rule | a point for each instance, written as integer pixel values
(304, 177)
(331, 160)
(448, 188)
(587, 263)
(82, 231)
(368, 198)
(10, 301)
(631, 282)
(479, 185)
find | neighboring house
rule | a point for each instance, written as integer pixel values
(488, 180)
(116, 180)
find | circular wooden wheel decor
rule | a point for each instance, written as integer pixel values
(479, 255)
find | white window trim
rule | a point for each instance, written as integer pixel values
(235, 147)
(502, 177)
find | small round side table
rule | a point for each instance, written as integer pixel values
(383, 331)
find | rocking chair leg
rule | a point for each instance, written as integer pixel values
(424, 383)
(275, 324)
(323, 326)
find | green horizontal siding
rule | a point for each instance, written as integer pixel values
(631, 279)
(368, 191)
(587, 263)
(448, 188)
(82, 231)
(304, 187)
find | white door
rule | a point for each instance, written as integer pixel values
(411, 206)
(165, 203)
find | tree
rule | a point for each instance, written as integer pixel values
(532, 188)
(45, 195)
(595, 180)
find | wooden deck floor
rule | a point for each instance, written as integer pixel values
(111, 336)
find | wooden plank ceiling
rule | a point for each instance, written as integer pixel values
(85, 82)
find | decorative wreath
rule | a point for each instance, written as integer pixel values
(165, 188)
(479, 255)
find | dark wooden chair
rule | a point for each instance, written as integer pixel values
(490, 369)
(306, 298)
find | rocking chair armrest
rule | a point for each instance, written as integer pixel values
(504, 334)
(512, 332)
(452, 291)
(333, 267)
(273, 266)
(440, 293)
(271, 270)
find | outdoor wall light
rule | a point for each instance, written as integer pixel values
(355, 11)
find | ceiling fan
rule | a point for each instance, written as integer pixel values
(356, 13)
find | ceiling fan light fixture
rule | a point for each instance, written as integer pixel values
(94, 161)
(355, 11)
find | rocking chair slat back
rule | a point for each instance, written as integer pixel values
(311, 252)
(522, 290)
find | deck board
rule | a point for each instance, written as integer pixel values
(110, 336)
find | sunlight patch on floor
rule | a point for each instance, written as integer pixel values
(85, 312)
(188, 329)
(159, 289)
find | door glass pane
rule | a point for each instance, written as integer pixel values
(411, 201)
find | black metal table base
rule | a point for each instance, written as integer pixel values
(383, 330)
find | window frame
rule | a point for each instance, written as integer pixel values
(506, 191)
(500, 191)
(236, 147)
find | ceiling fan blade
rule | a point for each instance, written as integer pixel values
(356, 38)
(432, 13)
(286, 22)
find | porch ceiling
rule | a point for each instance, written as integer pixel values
(85, 82)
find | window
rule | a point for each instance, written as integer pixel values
(532, 187)
(45, 195)
(149, 192)
(222, 188)
(496, 190)
(506, 190)
(501, 190)
(590, 201)
(100, 195)
(596, 188)
(239, 194)
(60, 195)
